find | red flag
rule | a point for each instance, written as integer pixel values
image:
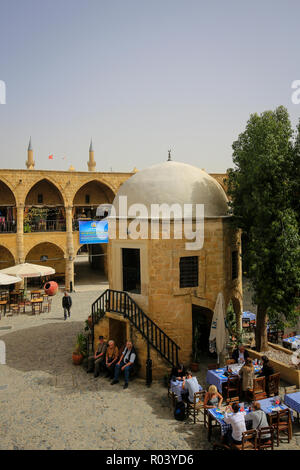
(50, 157)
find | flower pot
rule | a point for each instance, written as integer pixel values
(77, 358)
(51, 288)
(194, 366)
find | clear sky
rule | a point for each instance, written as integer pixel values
(140, 77)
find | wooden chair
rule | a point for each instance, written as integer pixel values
(15, 309)
(36, 308)
(264, 440)
(230, 401)
(281, 423)
(249, 441)
(22, 306)
(273, 383)
(259, 389)
(232, 387)
(213, 366)
(197, 406)
(47, 306)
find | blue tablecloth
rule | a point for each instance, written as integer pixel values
(293, 341)
(249, 316)
(176, 387)
(268, 406)
(216, 377)
(292, 400)
(225, 428)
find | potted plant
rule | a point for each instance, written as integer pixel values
(80, 349)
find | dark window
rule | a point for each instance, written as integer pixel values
(40, 199)
(87, 198)
(131, 270)
(234, 265)
(189, 271)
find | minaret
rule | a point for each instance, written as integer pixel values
(91, 162)
(30, 162)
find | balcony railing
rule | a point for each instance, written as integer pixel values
(8, 226)
(45, 226)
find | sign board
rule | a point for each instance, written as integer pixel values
(93, 231)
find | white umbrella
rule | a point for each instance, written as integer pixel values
(25, 270)
(218, 331)
(5, 279)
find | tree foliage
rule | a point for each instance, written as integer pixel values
(264, 190)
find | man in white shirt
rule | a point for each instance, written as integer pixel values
(237, 421)
(125, 364)
(192, 386)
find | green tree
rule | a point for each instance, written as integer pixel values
(262, 188)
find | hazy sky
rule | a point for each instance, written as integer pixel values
(140, 77)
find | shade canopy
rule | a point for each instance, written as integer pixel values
(6, 279)
(249, 316)
(25, 270)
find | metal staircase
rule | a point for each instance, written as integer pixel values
(120, 302)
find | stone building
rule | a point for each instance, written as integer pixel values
(174, 284)
(40, 209)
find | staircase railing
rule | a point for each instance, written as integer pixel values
(121, 302)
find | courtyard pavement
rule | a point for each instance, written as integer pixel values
(48, 403)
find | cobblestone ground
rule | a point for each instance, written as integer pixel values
(48, 403)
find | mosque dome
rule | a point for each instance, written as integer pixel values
(174, 183)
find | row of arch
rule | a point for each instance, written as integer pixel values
(99, 192)
(7, 257)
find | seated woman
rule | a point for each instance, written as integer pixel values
(213, 398)
(247, 374)
(112, 355)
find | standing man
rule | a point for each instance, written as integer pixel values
(67, 304)
(125, 364)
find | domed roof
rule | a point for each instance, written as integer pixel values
(174, 183)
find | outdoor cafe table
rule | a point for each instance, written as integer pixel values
(266, 405)
(292, 342)
(216, 377)
(292, 400)
(218, 416)
(176, 388)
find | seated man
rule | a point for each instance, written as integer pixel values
(96, 362)
(258, 418)
(266, 371)
(237, 421)
(112, 355)
(125, 364)
(191, 385)
(240, 354)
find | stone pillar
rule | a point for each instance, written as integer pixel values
(20, 234)
(69, 273)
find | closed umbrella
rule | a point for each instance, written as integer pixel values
(218, 331)
(5, 279)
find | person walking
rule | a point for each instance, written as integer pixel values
(67, 304)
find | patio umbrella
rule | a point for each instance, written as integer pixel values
(5, 279)
(249, 316)
(218, 331)
(25, 270)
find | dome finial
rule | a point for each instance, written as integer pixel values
(169, 156)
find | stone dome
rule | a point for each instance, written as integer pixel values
(174, 183)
